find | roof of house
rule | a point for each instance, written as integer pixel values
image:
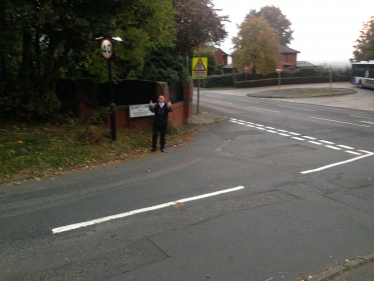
(304, 64)
(287, 50)
(214, 49)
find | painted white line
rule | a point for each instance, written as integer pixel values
(336, 164)
(248, 101)
(260, 128)
(352, 152)
(271, 131)
(339, 122)
(333, 147)
(259, 125)
(249, 125)
(295, 134)
(367, 122)
(328, 142)
(271, 128)
(309, 138)
(233, 119)
(296, 138)
(283, 131)
(122, 215)
(264, 109)
(283, 134)
(315, 142)
(365, 151)
(347, 147)
(361, 117)
(222, 102)
(296, 108)
(240, 123)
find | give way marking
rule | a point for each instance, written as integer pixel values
(130, 213)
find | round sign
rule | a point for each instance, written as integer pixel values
(107, 48)
(278, 70)
(246, 68)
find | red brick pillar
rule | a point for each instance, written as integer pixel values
(187, 97)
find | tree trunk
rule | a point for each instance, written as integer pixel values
(26, 55)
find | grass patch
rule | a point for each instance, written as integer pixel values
(303, 93)
(34, 150)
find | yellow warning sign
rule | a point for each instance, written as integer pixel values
(199, 68)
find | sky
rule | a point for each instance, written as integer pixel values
(324, 30)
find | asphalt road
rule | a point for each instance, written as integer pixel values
(281, 190)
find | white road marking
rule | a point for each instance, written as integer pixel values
(368, 152)
(333, 147)
(271, 131)
(250, 125)
(222, 102)
(328, 142)
(296, 108)
(339, 122)
(295, 134)
(126, 214)
(367, 122)
(309, 138)
(337, 164)
(315, 142)
(271, 128)
(361, 116)
(260, 128)
(352, 152)
(347, 147)
(296, 138)
(248, 101)
(264, 109)
(283, 134)
(283, 131)
(259, 125)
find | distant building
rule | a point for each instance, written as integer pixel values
(221, 56)
(289, 57)
(303, 64)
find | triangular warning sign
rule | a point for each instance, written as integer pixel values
(199, 66)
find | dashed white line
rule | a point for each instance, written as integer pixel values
(264, 109)
(260, 128)
(333, 147)
(126, 214)
(318, 143)
(309, 138)
(361, 117)
(283, 134)
(368, 152)
(339, 122)
(296, 138)
(328, 142)
(283, 131)
(347, 147)
(271, 128)
(367, 122)
(296, 108)
(295, 134)
(249, 125)
(271, 131)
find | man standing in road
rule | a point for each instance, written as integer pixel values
(160, 121)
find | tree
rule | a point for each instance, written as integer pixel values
(364, 48)
(45, 36)
(198, 24)
(276, 20)
(257, 45)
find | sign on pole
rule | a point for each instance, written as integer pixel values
(199, 68)
(106, 48)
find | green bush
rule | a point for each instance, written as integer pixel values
(284, 81)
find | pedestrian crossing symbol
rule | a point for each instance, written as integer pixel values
(199, 68)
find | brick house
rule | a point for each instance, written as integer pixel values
(221, 56)
(289, 57)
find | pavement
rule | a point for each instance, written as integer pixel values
(360, 268)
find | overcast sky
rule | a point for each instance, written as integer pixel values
(324, 30)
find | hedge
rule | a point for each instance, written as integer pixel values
(284, 81)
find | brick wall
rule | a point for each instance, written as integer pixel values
(291, 59)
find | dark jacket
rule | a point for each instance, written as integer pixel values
(161, 114)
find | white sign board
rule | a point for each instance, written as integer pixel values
(140, 110)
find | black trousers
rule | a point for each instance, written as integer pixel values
(155, 131)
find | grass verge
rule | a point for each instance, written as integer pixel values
(48, 150)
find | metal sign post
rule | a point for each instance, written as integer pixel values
(279, 71)
(107, 52)
(199, 72)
